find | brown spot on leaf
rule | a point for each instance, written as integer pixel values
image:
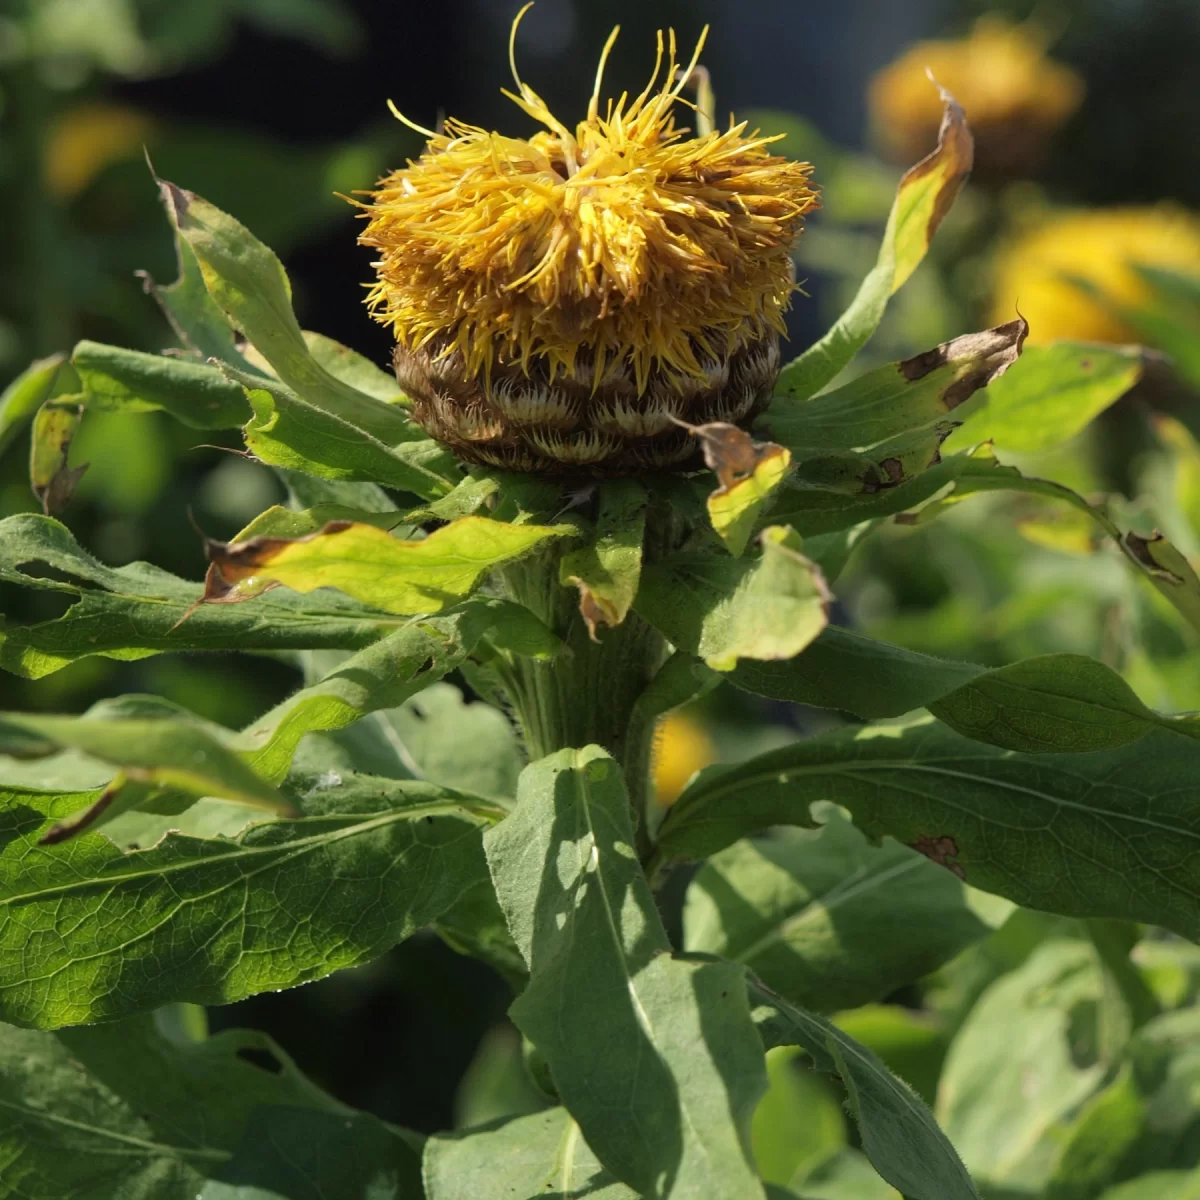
(1140, 550)
(593, 611)
(176, 200)
(61, 831)
(980, 357)
(940, 850)
(235, 561)
(730, 452)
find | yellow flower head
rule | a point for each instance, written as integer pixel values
(621, 258)
(1098, 248)
(1013, 95)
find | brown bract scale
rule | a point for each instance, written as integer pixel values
(560, 302)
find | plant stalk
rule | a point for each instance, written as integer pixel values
(588, 692)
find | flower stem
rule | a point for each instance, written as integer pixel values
(588, 692)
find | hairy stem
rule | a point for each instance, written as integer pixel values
(587, 693)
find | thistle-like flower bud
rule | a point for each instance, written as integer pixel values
(560, 302)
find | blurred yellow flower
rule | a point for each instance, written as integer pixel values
(85, 139)
(1097, 247)
(1014, 96)
(682, 747)
(558, 300)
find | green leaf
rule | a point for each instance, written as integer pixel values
(198, 395)
(249, 285)
(912, 1043)
(88, 933)
(542, 1155)
(1055, 702)
(137, 610)
(826, 504)
(606, 570)
(308, 1155)
(899, 1134)
(1024, 1060)
(1156, 559)
(1097, 1141)
(200, 325)
(25, 395)
(1050, 703)
(381, 676)
(471, 746)
(926, 395)
(1050, 396)
(799, 1122)
(923, 198)
(157, 753)
(852, 673)
(353, 369)
(51, 477)
(120, 1110)
(655, 1057)
(287, 431)
(1102, 834)
(826, 919)
(726, 609)
(1158, 1185)
(847, 1176)
(368, 564)
(1165, 1054)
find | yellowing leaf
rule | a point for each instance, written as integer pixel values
(748, 472)
(372, 566)
(733, 508)
(927, 192)
(724, 609)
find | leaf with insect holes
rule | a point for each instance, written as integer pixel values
(923, 198)
(367, 563)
